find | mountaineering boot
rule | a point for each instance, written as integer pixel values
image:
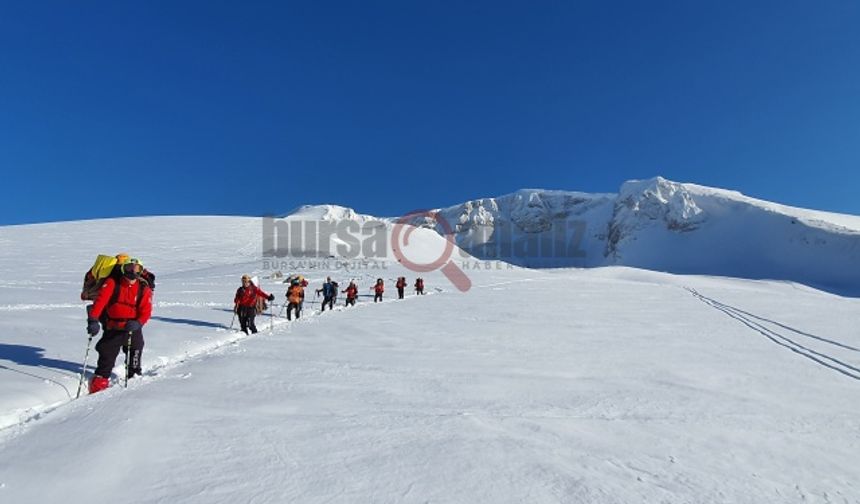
(98, 383)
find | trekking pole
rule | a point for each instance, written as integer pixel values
(271, 320)
(127, 359)
(84, 369)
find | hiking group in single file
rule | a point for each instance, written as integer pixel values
(121, 291)
(250, 299)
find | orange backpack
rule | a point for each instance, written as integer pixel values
(295, 294)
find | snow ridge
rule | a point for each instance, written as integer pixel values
(663, 225)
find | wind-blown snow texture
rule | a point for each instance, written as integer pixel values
(599, 385)
(665, 226)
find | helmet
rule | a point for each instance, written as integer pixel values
(246, 277)
(121, 257)
(130, 260)
(131, 266)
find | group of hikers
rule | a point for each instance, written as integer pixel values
(250, 298)
(121, 288)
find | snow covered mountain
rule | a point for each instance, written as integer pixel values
(634, 386)
(662, 225)
(653, 224)
(328, 213)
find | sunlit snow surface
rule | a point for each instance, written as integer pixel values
(603, 385)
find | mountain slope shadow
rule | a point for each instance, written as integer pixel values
(26, 355)
(191, 322)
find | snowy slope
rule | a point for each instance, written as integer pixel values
(665, 226)
(600, 385)
(197, 260)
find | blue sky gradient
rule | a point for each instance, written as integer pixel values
(248, 108)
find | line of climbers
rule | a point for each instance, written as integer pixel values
(250, 299)
(121, 290)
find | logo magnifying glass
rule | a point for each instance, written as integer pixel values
(443, 263)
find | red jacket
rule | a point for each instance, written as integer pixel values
(248, 296)
(379, 288)
(125, 308)
(351, 292)
(401, 283)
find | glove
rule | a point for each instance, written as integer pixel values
(132, 326)
(93, 327)
(271, 297)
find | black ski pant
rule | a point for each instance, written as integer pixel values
(247, 314)
(108, 347)
(291, 307)
(350, 301)
(328, 301)
(377, 297)
(400, 292)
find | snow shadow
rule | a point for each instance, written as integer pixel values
(755, 323)
(191, 322)
(26, 355)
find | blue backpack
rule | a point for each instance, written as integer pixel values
(328, 289)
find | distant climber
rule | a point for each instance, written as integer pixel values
(329, 292)
(245, 303)
(295, 298)
(351, 292)
(401, 286)
(378, 289)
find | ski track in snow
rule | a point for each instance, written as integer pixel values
(34, 307)
(760, 325)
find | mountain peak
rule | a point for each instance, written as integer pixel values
(327, 213)
(659, 198)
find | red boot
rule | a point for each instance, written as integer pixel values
(98, 383)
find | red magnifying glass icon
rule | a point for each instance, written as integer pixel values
(443, 263)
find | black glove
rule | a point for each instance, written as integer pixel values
(132, 326)
(93, 327)
(271, 297)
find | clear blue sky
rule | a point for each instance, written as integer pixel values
(112, 108)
